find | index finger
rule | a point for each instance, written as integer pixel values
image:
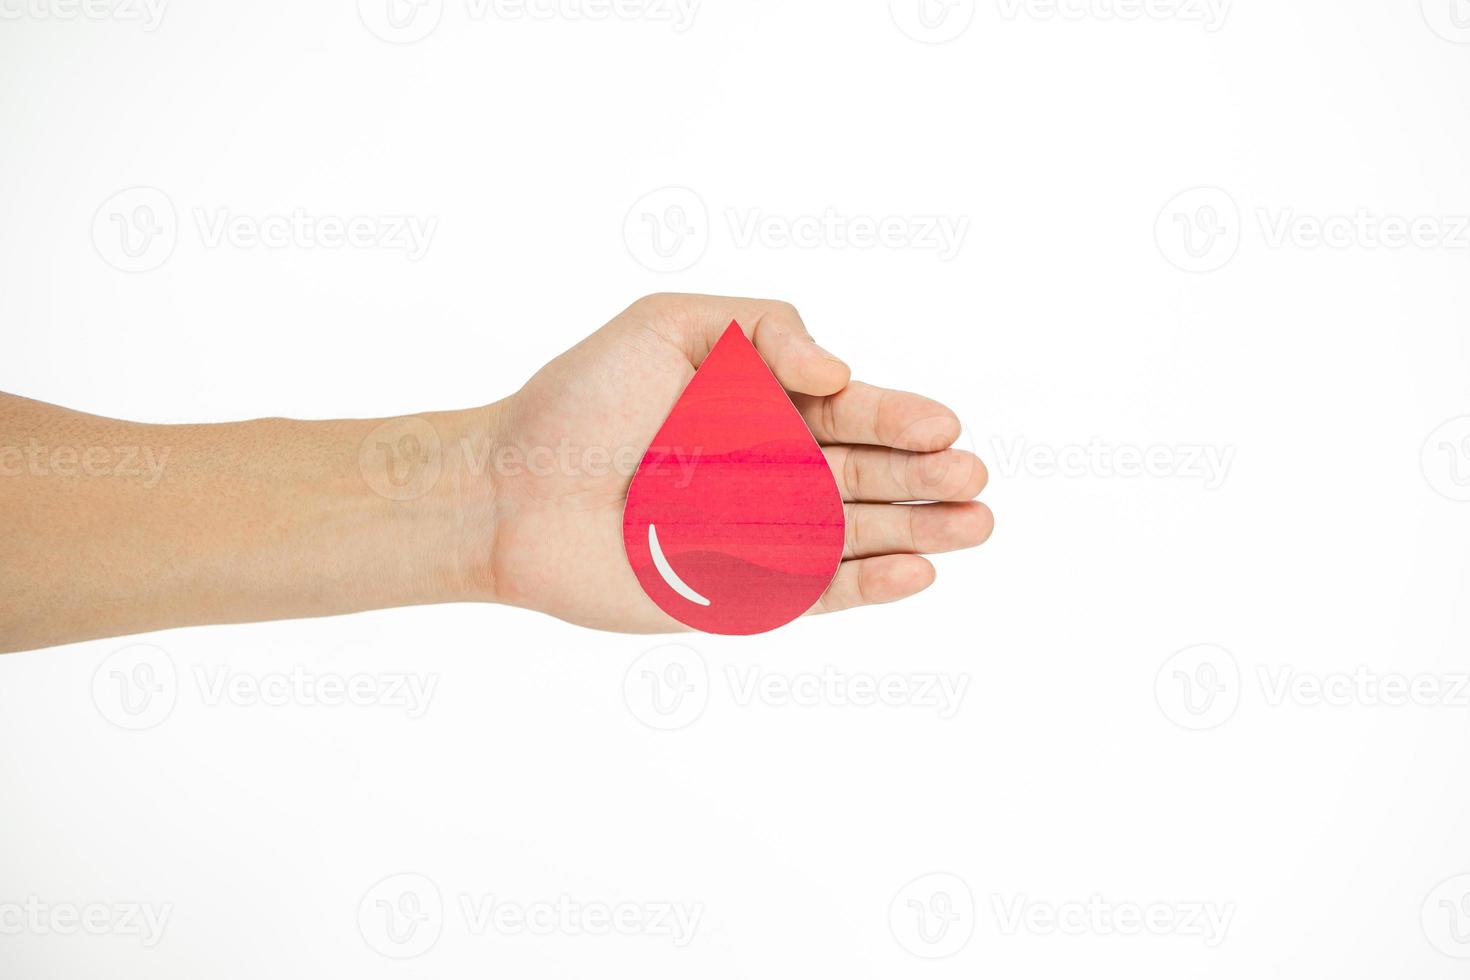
(868, 415)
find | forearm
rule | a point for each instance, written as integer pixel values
(116, 527)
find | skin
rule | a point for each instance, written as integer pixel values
(118, 527)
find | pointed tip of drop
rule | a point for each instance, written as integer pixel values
(735, 348)
(731, 338)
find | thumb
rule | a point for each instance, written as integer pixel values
(774, 327)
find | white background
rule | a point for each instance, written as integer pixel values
(1089, 312)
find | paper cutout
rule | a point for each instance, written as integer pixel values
(733, 522)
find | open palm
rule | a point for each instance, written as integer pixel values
(568, 442)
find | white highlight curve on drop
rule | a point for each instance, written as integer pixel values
(667, 573)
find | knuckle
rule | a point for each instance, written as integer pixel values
(652, 302)
(851, 475)
(854, 534)
(860, 590)
(782, 311)
(885, 418)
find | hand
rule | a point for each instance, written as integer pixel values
(588, 415)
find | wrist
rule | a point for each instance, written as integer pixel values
(441, 466)
(427, 479)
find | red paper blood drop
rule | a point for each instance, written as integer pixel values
(733, 522)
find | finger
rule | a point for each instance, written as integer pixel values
(867, 581)
(873, 473)
(887, 529)
(879, 417)
(774, 327)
